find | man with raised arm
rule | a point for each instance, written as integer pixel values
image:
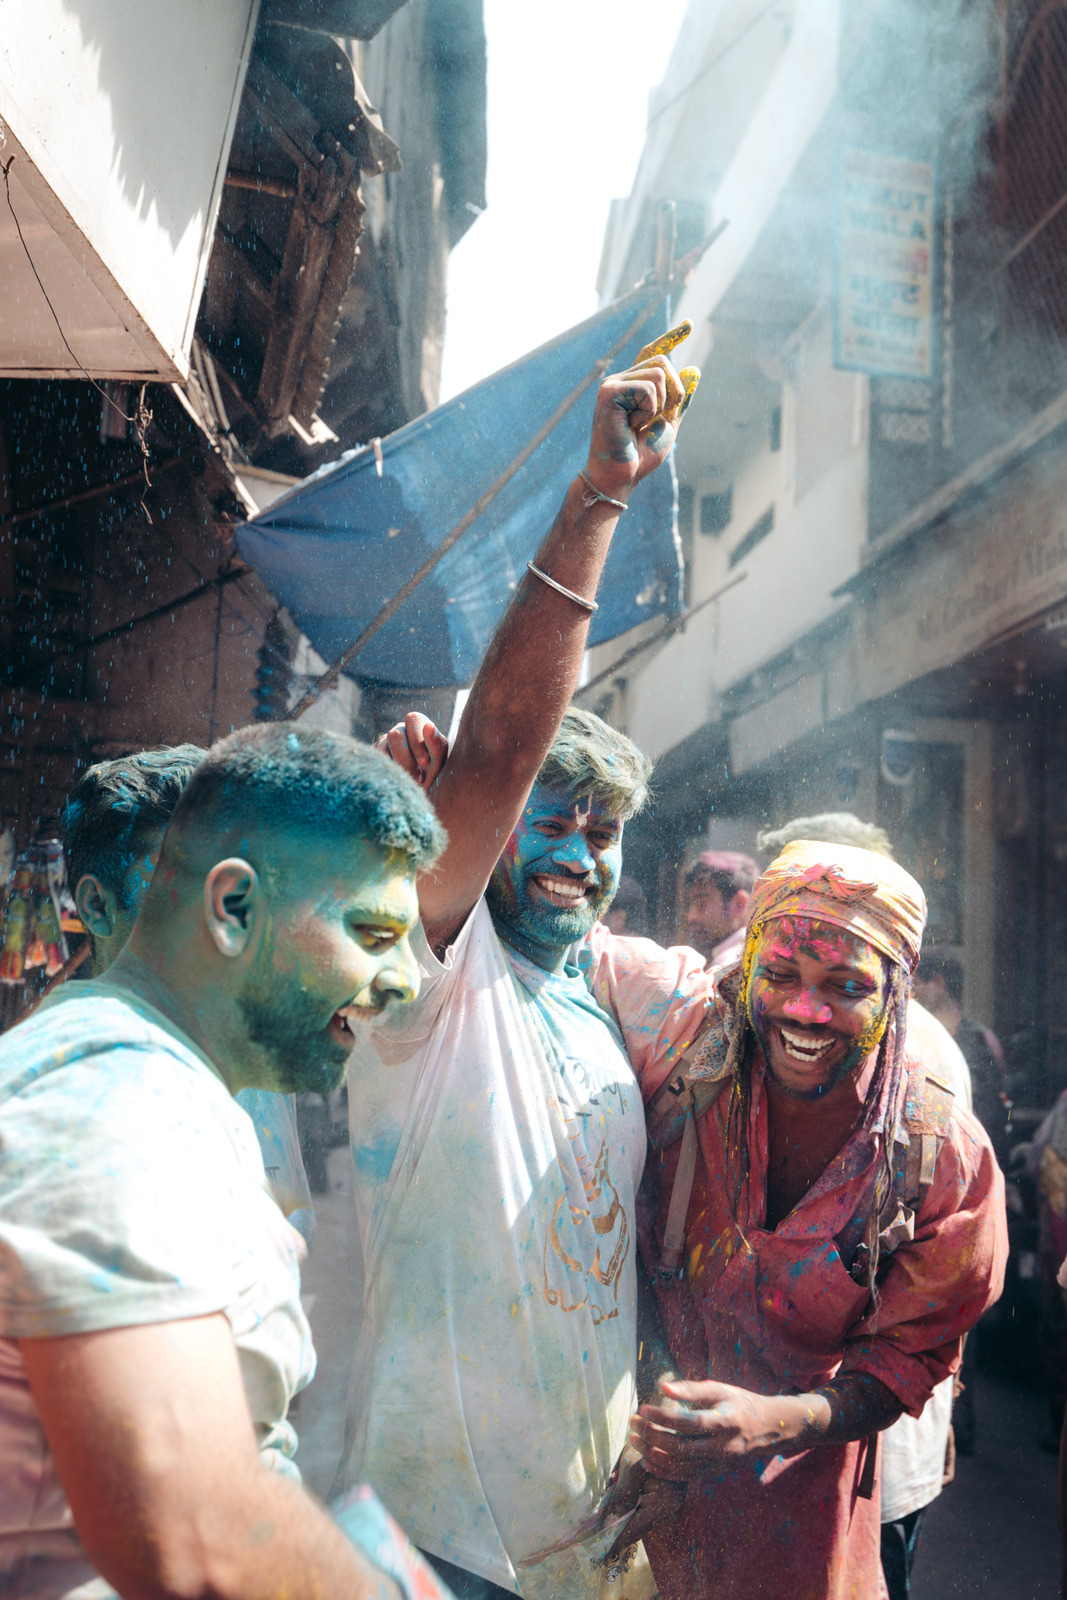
(151, 1332)
(497, 1129)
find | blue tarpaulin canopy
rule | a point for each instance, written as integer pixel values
(340, 544)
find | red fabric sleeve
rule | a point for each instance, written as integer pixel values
(938, 1284)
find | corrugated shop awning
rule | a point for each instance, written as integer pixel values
(341, 544)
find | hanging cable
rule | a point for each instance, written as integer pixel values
(213, 725)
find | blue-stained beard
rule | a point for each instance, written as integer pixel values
(286, 1022)
(551, 926)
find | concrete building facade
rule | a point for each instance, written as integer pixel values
(895, 647)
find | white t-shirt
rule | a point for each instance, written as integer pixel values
(132, 1191)
(274, 1119)
(498, 1138)
(913, 1449)
(913, 1456)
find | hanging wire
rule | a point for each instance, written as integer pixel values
(213, 725)
(712, 64)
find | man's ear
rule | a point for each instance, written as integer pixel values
(97, 907)
(739, 905)
(233, 904)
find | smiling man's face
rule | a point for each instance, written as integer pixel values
(558, 872)
(817, 1003)
(335, 958)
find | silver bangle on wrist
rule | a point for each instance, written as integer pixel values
(568, 594)
(598, 494)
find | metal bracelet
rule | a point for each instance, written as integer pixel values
(568, 594)
(620, 505)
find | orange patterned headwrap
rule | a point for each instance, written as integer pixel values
(867, 894)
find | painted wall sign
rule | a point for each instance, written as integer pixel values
(885, 264)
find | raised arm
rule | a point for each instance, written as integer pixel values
(531, 667)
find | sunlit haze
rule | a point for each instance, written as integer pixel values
(568, 97)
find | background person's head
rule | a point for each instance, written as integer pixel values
(560, 869)
(628, 912)
(279, 913)
(718, 885)
(113, 825)
(827, 827)
(938, 983)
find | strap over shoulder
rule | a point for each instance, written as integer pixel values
(927, 1114)
(917, 1141)
(693, 1087)
(700, 1077)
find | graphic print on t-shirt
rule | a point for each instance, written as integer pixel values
(588, 1239)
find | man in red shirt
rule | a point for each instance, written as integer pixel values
(826, 1227)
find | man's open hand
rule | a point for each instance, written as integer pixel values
(706, 1426)
(637, 415)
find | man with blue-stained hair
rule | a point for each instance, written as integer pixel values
(151, 1332)
(113, 825)
(497, 1126)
